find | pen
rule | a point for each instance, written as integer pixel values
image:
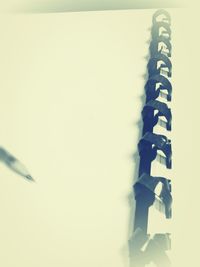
(14, 164)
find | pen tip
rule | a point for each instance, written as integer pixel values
(29, 177)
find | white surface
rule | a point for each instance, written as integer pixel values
(71, 88)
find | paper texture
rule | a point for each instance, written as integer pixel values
(72, 88)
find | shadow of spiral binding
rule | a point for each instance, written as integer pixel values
(144, 248)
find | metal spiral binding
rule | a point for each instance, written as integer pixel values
(143, 248)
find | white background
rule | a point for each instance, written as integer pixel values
(72, 90)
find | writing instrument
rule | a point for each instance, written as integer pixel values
(14, 164)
